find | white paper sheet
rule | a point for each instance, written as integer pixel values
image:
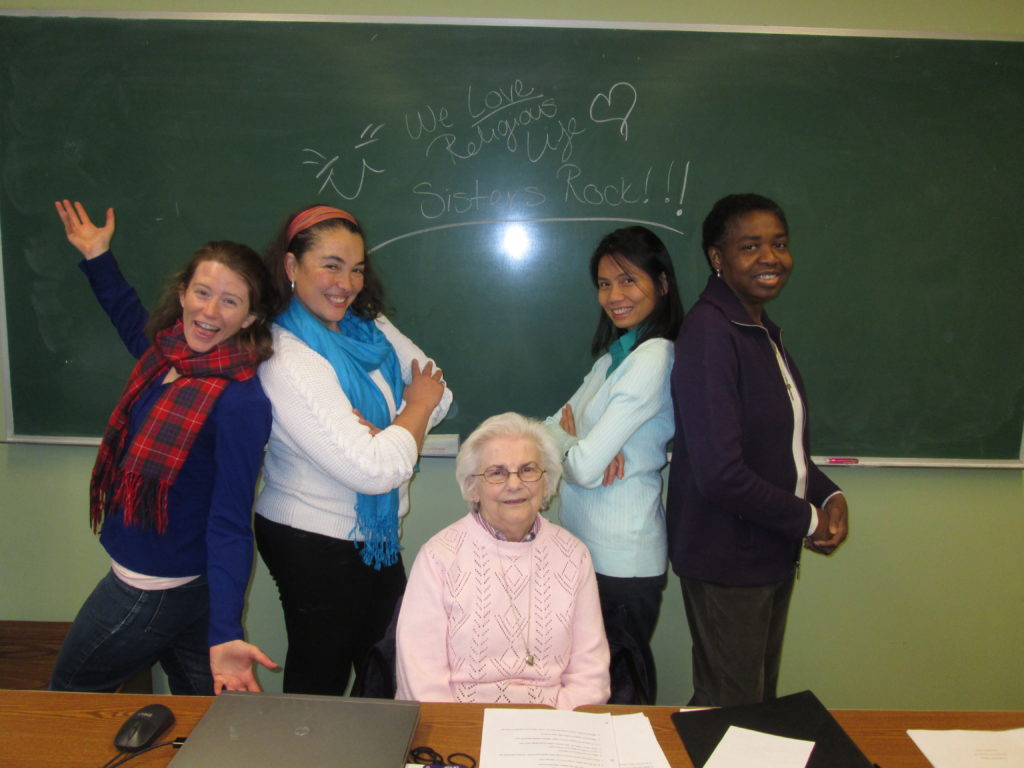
(971, 749)
(547, 738)
(744, 748)
(637, 745)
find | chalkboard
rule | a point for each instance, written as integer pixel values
(487, 161)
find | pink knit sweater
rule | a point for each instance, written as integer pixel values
(474, 604)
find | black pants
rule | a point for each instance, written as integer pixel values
(737, 640)
(635, 603)
(335, 606)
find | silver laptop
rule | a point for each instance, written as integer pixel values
(269, 730)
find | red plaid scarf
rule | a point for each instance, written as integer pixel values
(138, 476)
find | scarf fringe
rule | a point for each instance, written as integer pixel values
(143, 501)
(379, 530)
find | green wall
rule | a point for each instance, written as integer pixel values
(922, 608)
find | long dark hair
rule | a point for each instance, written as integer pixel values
(716, 223)
(644, 250)
(244, 262)
(370, 301)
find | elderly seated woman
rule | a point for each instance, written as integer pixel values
(502, 605)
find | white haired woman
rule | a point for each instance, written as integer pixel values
(502, 605)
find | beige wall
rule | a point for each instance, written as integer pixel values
(922, 608)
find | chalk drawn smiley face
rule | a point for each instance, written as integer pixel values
(615, 106)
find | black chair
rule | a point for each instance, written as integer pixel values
(376, 679)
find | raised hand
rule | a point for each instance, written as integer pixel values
(89, 239)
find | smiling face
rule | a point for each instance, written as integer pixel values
(754, 259)
(214, 306)
(329, 275)
(625, 292)
(512, 506)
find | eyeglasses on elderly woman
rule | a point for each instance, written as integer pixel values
(499, 475)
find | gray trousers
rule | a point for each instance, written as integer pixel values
(737, 640)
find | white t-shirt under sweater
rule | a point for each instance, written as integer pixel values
(476, 607)
(319, 455)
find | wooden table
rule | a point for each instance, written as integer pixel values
(43, 729)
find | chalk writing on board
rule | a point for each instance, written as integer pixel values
(615, 106)
(528, 126)
(682, 190)
(512, 116)
(613, 220)
(327, 165)
(436, 202)
(618, 192)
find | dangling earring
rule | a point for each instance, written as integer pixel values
(718, 273)
(293, 283)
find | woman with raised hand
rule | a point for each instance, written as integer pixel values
(353, 399)
(613, 434)
(173, 484)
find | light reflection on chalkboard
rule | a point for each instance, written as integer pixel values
(515, 242)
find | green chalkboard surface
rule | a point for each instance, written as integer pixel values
(487, 161)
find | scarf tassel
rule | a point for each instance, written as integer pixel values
(143, 500)
(377, 523)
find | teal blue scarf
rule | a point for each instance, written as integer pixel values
(620, 349)
(360, 348)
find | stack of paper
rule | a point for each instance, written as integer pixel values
(547, 738)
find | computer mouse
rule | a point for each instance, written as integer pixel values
(142, 729)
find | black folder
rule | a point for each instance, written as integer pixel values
(798, 716)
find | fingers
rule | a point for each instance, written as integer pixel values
(820, 547)
(838, 525)
(609, 474)
(67, 215)
(265, 660)
(83, 217)
(363, 421)
(429, 370)
(615, 470)
(568, 421)
(236, 684)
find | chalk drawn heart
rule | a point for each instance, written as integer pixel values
(611, 107)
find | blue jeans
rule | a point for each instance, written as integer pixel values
(121, 630)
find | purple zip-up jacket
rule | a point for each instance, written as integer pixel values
(732, 514)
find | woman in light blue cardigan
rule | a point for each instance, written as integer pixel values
(614, 430)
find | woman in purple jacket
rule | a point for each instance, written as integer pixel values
(743, 494)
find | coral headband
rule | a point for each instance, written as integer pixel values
(315, 215)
